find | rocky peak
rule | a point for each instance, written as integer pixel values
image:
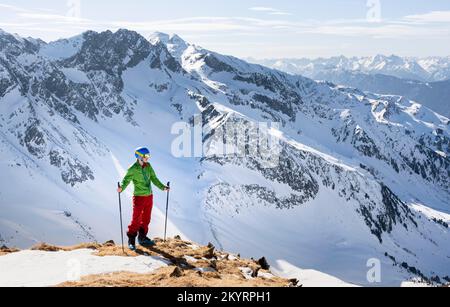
(110, 52)
(14, 45)
(174, 44)
(159, 37)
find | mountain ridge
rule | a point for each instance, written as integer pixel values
(427, 69)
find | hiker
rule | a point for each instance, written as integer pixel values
(142, 175)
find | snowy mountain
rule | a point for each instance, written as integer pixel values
(359, 176)
(428, 69)
(434, 95)
(424, 80)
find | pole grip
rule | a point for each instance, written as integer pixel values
(168, 184)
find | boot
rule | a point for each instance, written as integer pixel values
(144, 240)
(132, 242)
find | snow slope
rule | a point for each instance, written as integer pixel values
(44, 269)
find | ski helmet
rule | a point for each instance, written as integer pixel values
(142, 152)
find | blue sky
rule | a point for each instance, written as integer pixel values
(259, 29)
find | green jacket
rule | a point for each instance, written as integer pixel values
(142, 179)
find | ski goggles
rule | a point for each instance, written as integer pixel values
(143, 156)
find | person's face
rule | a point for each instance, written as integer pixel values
(145, 159)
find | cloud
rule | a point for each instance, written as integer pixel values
(197, 24)
(431, 17)
(18, 9)
(52, 17)
(263, 9)
(47, 25)
(236, 25)
(12, 8)
(269, 10)
(280, 13)
(383, 31)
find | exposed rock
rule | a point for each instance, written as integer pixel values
(263, 263)
(177, 272)
(109, 243)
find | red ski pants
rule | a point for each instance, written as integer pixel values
(142, 212)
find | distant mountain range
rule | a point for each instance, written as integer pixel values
(422, 69)
(425, 80)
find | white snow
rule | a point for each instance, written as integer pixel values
(308, 278)
(40, 268)
(75, 75)
(62, 49)
(247, 272)
(204, 270)
(190, 259)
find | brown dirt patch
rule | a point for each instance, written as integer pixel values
(164, 277)
(4, 250)
(53, 248)
(191, 266)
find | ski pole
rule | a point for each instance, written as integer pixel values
(121, 225)
(167, 210)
